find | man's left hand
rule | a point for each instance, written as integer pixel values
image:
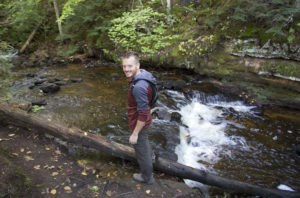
(133, 139)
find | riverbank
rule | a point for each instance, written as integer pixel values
(35, 166)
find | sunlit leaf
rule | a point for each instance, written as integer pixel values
(53, 192)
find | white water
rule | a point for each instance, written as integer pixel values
(203, 142)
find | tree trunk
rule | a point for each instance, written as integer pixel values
(57, 18)
(20, 118)
(29, 38)
(168, 6)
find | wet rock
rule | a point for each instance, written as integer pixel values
(30, 75)
(175, 116)
(296, 149)
(174, 84)
(39, 102)
(52, 80)
(60, 83)
(40, 81)
(31, 86)
(76, 80)
(49, 87)
(115, 76)
(162, 114)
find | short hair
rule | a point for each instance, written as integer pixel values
(133, 54)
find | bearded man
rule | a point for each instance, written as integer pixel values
(139, 115)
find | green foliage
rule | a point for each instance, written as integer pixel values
(273, 17)
(36, 108)
(198, 46)
(5, 65)
(67, 50)
(143, 30)
(284, 69)
(23, 16)
(68, 9)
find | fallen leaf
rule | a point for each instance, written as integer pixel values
(53, 192)
(28, 152)
(104, 182)
(68, 170)
(67, 188)
(22, 150)
(57, 152)
(28, 158)
(108, 193)
(37, 167)
(148, 191)
(97, 176)
(59, 167)
(54, 174)
(15, 154)
(115, 173)
(83, 173)
(85, 133)
(94, 188)
(47, 148)
(11, 135)
(178, 190)
(108, 174)
(138, 186)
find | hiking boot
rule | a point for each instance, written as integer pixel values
(138, 177)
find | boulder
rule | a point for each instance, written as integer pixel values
(49, 87)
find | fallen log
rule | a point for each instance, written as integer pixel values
(19, 118)
(29, 38)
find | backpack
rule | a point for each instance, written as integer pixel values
(154, 90)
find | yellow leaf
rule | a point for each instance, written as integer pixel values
(28, 158)
(148, 191)
(67, 188)
(108, 174)
(47, 148)
(83, 173)
(22, 150)
(54, 174)
(53, 192)
(11, 135)
(15, 154)
(108, 193)
(59, 167)
(28, 152)
(97, 176)
(115, 173)
(37, 167)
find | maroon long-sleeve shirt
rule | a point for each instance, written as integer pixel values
(139, 97)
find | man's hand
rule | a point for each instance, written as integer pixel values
(133, 139)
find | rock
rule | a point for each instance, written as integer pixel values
(174, 84)
(162, 114)
(60, 83)
(39, 102)
(115, 76)
(40, 81)
(76, 80)
(175, 116)
(49, 87)
(30, 75)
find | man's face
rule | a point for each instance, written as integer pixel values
(130, 66)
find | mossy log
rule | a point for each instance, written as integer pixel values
(19, 118)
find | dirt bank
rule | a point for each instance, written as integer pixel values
(34, 166)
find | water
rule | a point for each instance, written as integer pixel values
(218, 133)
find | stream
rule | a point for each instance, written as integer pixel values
(217, 133)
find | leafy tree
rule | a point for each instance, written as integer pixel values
(143, 30)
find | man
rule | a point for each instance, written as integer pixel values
(139, 116)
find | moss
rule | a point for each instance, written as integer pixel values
(282, 67)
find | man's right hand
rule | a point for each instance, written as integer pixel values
(133, 139)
